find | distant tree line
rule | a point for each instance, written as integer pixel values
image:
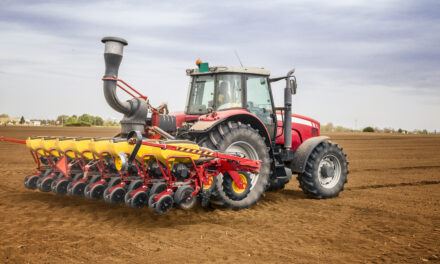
(84, 120)
(62, 120)
(331, 128)
(369, 129)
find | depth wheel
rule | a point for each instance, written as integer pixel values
(53, 185)
(117, 195)
(78, 189)
(164, 204)
(31, 182)
(97, 192)
(75, 178)
(87, 190)
(45, 185)
(232, 190)
(235, 137)
(325, 173)
(183, 199)
(140, 199)
(61, 187)
(41, 177)
(113, 181)
(134, 185)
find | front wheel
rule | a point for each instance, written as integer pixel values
(325, 173)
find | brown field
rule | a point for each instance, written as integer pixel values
(388, 213)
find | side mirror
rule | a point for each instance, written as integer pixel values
(293, 85)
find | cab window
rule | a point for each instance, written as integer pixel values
(258, 96)
(229, 91)
(202, 92)
(259, 101)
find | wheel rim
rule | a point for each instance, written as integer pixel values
(61, 187)
(97, 191)
(139, 200)
(329, 162)
(236, 188)
(187, 194)
(249, 152)
(78, 189)
(118, 195)
(208, 186)
(164, 204)
(32, 182)
(46, 185)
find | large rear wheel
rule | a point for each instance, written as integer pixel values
(235, 137)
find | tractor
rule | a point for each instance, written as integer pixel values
(231, 110)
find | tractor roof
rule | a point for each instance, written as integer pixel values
(230, 69)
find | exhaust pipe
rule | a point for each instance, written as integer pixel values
(135, 110)
(288, 112)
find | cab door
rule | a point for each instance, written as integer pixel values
(259, 100)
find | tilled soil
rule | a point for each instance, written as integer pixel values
(389, 212)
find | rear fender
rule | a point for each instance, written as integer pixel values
(206, 124)
(302, 154)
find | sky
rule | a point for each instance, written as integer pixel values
(358, 63)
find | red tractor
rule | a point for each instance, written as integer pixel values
(231, 109)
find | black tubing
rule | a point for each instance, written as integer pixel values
(138, 137)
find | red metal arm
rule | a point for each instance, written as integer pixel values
(244, 162)
(125, 90)
(13, 140)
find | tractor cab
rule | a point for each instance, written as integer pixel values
(224, 88)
